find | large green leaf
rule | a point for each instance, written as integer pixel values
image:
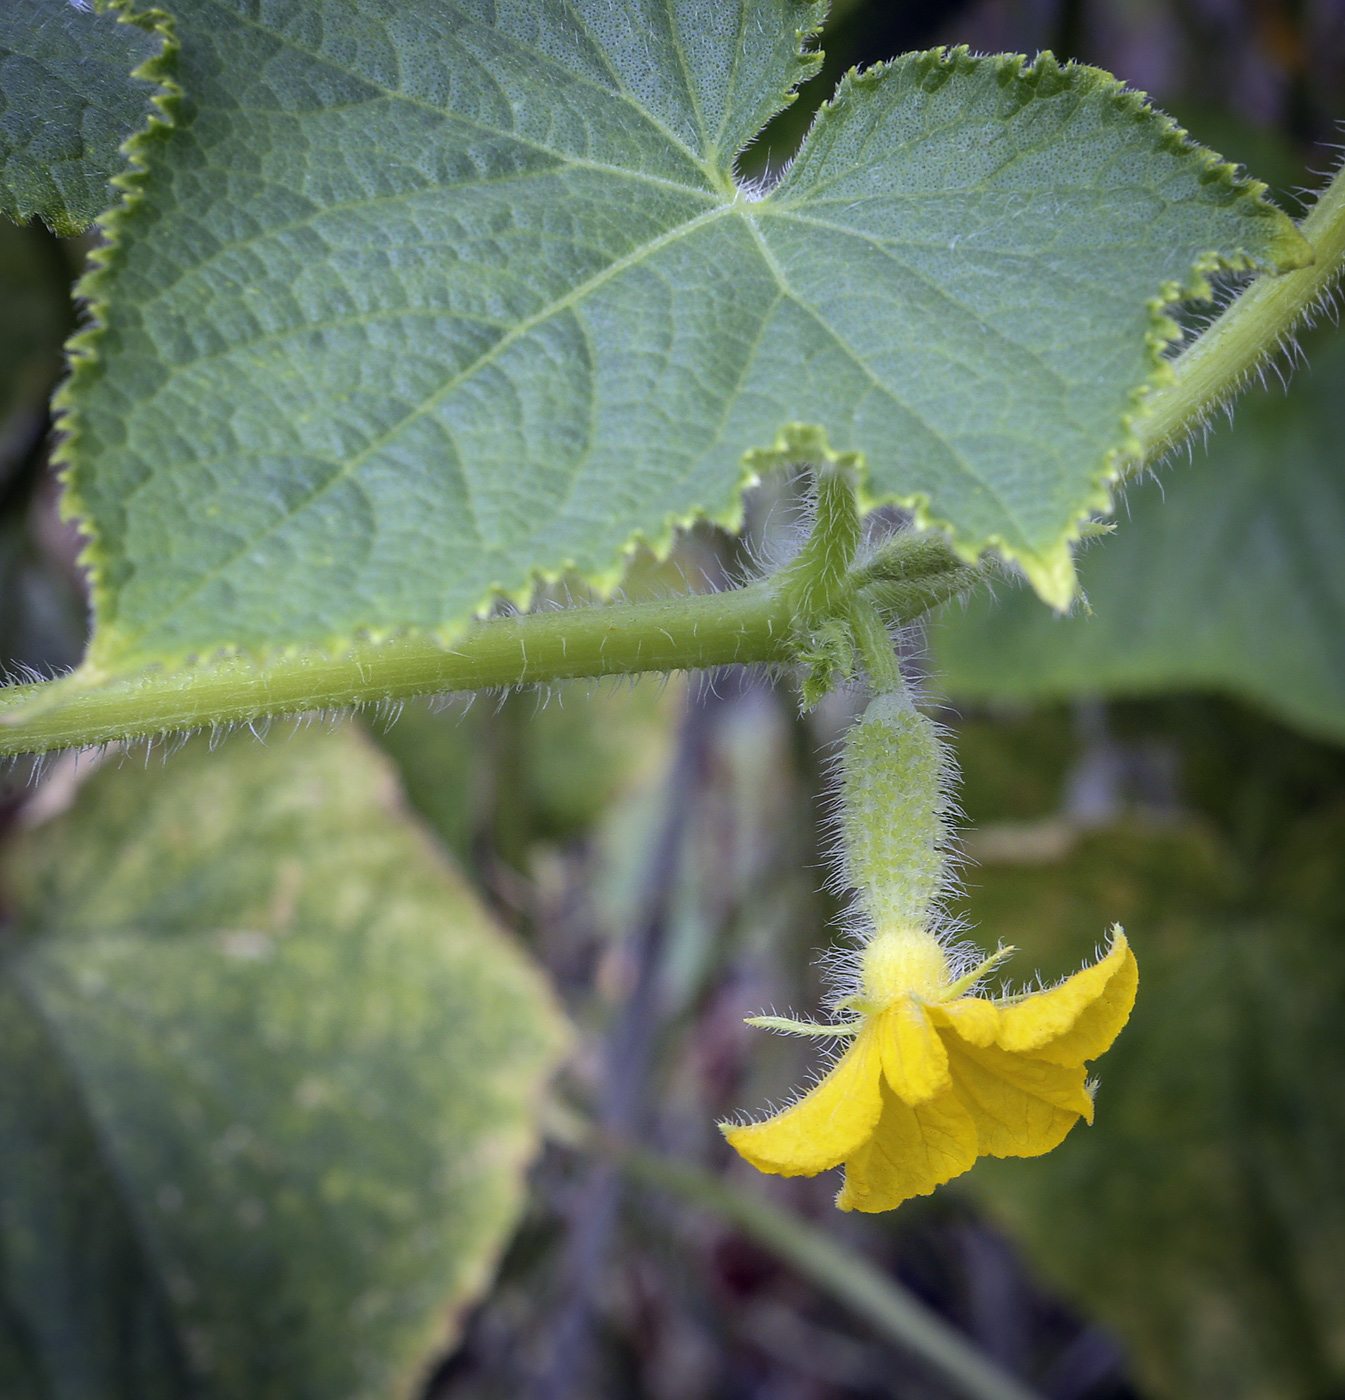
(1224, 573)
(422, 300)
(268, 1079)
(68, 99)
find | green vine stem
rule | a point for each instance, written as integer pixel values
(845, 1274)
(1218, 364)
(752, 625)
(818, 582)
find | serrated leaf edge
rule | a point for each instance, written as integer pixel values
(101, 663)
(1050, 571)
(60, 221)
(82, 347)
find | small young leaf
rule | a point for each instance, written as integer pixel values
(422, 303)
(1227, 573)
(268, 1080)
(74, 85)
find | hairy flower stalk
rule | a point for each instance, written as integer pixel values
(933, 1075)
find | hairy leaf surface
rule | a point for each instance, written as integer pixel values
(67, 102)
(421, 301)
(269, 1076)
(1225, 573)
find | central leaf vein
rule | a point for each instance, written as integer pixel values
(353, 464)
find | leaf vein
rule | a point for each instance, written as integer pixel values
(353, 464)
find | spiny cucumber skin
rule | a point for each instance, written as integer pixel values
(895, 779)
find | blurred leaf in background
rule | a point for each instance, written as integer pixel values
(528, 767)
(1202, 1216)
(269, 1078)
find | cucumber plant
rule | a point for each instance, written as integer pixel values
(398, 314)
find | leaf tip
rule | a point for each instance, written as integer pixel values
(1052, 576)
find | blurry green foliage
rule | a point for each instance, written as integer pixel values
(1202, 1215)
(231, 1162)
(531, 767)
(1013, 766)
(442, 757)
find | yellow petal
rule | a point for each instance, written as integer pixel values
(913, 1151)
(973, 1018)
(1080, 1018)
(1022, 1105)
(826, 1125)
(914, 1060)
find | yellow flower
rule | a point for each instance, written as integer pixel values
(934, 1078)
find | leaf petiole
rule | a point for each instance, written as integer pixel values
(1254, 327)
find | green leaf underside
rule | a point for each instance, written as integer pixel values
(422, 302)
(67, 102)
(269, 1079)
(1226, 573)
